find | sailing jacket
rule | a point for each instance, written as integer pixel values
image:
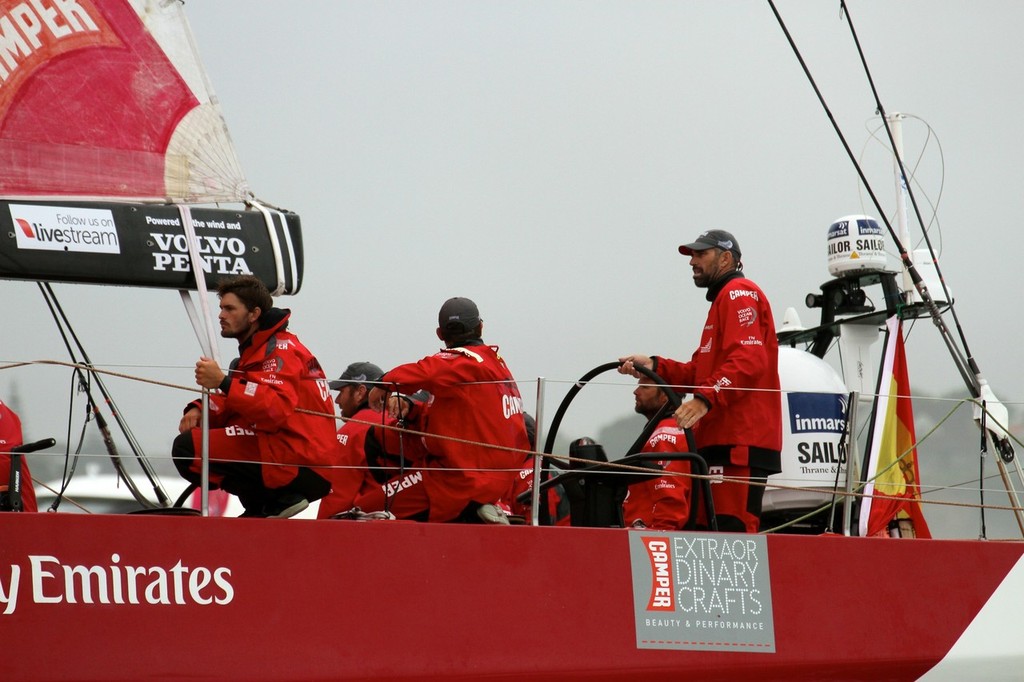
(522, 483)
(367, 457)
(662, 503)
(474, 403)
(10, 437)
(738, 350)
(348, 479)
(274, 376)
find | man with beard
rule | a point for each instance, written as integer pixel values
(363, 464)
(262, 448)
(662, 503)
(736, 409)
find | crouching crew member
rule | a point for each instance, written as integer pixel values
(353, 474)
(262, 448)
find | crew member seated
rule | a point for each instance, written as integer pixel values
(664, 502)
(476, 436)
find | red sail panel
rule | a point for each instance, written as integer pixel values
(90, 102)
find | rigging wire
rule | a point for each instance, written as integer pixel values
(69, 471)
(880, 108)
(960, 354)
(964, 366)
(982, 452)
(974, 381)
(65, 329)
(933, 205)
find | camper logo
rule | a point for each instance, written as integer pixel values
(661, 575)
(36, 33)
(705, 592)
(68, 229)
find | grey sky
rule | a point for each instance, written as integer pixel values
(546, 158)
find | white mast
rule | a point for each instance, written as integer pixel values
(895, 121)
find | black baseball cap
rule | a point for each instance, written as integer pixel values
(712, 239)
(365, 373)
(458, 315)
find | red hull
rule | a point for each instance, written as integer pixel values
(384, 600)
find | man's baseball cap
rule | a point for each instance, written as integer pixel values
(458, 315)
(712, 239)
(365, 373)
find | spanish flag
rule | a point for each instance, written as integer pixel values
(893, 478)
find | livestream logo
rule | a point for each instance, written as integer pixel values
(60, 228)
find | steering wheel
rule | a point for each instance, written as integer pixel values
(549, 444)
(673, 398)
(633, 456)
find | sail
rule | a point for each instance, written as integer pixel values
(106, 117)
(107, 99)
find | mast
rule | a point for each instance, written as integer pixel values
(896, 125)
(964, 361)
(989, 412)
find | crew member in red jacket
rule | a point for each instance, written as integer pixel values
(10, 437)
(262, 448)
(558, 507)
(353, 474)
(736, 409)
(474, 404)
(662, 503)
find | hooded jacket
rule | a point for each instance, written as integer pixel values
(738, 350)
(273, 377)
(474, 403)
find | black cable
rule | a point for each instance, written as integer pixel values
(847, 435)
(65, 329)
(981, 469)
(69, 471)
(906, 183)
(969, 378)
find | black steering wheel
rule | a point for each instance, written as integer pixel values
(633, 456)
(673, 398)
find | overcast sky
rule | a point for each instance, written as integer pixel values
(546, 158)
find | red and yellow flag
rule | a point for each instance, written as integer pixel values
(893, 478)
